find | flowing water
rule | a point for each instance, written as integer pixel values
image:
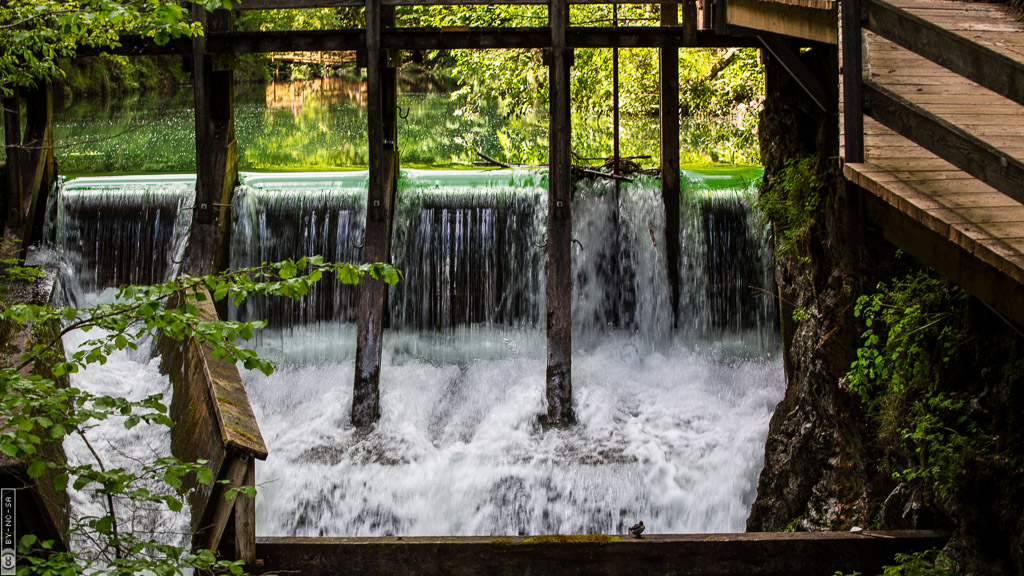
(109, 232)
(671, 421)
(672, 406)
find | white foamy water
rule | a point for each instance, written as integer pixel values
(674, 438)
(134, 375)
(671, 420)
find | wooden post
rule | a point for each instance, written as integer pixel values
(615, 104)
(380, 107)
(216, 148)
(670, 185)
(853, 95)
(689, 21)
(12, 142)
(853, 113)
(38, 169)
(559, 262)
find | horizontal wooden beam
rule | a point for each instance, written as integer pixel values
(941, 137)
(747, 554)
(928, 243)
(290, 4)
(437, 39)
(808, 19)
(977, 63)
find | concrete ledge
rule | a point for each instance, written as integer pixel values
(744, 554)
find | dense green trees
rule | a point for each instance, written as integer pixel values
(36, 34)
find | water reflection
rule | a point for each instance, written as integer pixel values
(320, 124)
(320, 91)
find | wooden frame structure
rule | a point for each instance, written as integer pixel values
(943, 237)
(377, 43)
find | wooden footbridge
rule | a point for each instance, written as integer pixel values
(932, 125)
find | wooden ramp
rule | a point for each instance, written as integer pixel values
(943, 156)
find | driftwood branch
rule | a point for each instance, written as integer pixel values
(587, 171)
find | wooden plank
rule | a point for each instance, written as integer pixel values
(963, 261)
(40, 508)
(746, 554)
(962, 149)
(434, 39)
(213, 416)
(245, 520)
(983, 240)
(558, 389)
(983, 65)
(852, 80)
(815, 21)
(210, 528)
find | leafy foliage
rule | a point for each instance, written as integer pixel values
(39, 411)
(35, 34)
(915, 329)
(927, 563)
(790, 199)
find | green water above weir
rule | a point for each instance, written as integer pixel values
(321, 125)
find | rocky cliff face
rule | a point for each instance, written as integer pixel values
(827, 463)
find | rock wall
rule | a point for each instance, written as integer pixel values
(825, 465)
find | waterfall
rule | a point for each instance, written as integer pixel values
(109, 232)
(672, 405)
(113, 231)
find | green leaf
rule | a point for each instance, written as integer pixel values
(37, 468)
(105, 525)
(204, 476)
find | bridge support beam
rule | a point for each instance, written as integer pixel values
(12, 168)
(31, 168)
(381, 95)
(216, 150)
(559, 248)
(670, 185)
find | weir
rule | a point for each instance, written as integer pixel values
(670, 423)
(610, 320)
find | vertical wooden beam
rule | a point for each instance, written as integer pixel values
(721, 21)
(381, 121)
(689, 20)
(670, 180)
(853, 95)
(706, 9)
(39, 169)
(615, 104)
(216, 148)
(853, 112)
(245, 519)
(559, 249)
(12, 142)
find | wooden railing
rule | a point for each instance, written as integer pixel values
(973, 61)
(214, 421)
